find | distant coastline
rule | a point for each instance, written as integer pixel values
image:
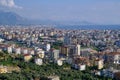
(87, 27)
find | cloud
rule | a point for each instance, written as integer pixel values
(9, 4)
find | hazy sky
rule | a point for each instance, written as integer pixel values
(95, 11)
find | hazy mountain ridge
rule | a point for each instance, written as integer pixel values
(10, 18)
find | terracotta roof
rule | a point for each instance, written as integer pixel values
(26, 54)
(113, 53)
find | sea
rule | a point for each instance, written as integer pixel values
(89, 27)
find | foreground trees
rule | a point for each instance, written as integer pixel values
(31, 71)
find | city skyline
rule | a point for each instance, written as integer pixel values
(94, 11)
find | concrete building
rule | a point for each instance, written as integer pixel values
(80, 67)
(99, 63)
(69, 60)
(32, 52)
(59, 62)
(55, 54)
(47, 47)
(27, 57)
(77, 49)
(70, 50)
(1, 40)
(64, 50)
(38, 61)
(24, 51)
(17, 50)
(9, 49)
(40, 53)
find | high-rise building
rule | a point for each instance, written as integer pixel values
(64, 50)
(70, 50)
(77, 49)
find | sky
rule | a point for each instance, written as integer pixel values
(93, 11)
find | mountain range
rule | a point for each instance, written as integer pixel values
(11, 18)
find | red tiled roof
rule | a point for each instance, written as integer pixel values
(26, 54)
